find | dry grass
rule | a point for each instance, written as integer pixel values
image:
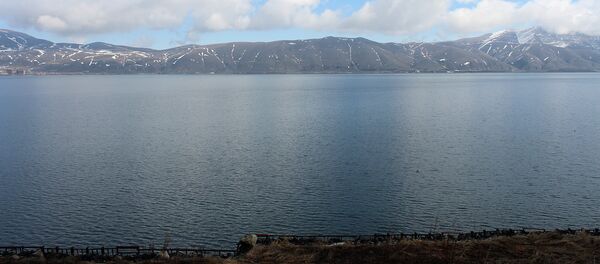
(533, 248)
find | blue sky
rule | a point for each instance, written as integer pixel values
(168, 23)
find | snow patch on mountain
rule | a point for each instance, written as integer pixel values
(527, 36)
(497, 35)
(502, 51)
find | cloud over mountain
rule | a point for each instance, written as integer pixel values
(396, 16)
(85, 17)
(91, 16)
(558, 16)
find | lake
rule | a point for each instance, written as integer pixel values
(112, 160)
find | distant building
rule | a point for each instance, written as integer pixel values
(12, 71)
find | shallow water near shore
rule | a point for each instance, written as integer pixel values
(112, 160)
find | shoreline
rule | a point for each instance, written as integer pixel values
(300, 73)
(507, 246)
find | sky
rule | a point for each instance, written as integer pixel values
(167, 23)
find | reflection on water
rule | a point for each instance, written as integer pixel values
(105, 160)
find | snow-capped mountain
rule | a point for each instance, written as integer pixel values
(16, 41)
(505, 51)
(537, 35)
(574, 40)
(535, 49)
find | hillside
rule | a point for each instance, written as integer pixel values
(532, 50)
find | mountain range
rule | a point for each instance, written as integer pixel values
(530, 50)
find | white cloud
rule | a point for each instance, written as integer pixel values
(294, 14)
(79, 18)
(565, 16)
(84, 17)
(216, 15)
(51, 23)
(397, 16)
(389, 16)
(73, 17)
(560, 16)
(485, 16)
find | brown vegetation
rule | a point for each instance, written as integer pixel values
(532, 248)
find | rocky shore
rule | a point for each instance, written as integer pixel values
(534, 247)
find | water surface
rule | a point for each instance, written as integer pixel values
(108, 160)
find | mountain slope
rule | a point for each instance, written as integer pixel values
(537, 50)
(532, 50)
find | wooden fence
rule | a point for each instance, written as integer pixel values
(266, 239)
(126, 251)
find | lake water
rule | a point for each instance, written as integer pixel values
(111, 160)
